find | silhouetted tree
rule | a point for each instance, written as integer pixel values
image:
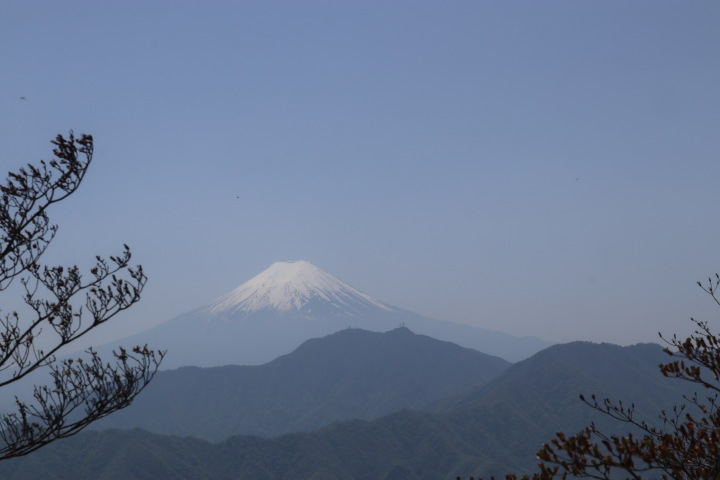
(685, 446)
(63, 306)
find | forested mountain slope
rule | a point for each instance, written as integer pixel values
(490, 431)
(352, 374)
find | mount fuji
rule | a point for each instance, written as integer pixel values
(298, 287)
(290, 302)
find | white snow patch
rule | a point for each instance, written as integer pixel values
(291, 285)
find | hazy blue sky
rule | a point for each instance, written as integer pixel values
(539, 167)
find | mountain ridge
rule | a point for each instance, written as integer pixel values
(488, 437)
(349, 374)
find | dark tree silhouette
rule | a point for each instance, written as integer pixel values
(62, 307)
(684, 445)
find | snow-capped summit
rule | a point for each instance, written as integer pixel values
(296, 287)
(289, 303)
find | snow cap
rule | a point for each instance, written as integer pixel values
(290, 286)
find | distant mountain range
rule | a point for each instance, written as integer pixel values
(351, 374)
(490, 430)
(290, 302)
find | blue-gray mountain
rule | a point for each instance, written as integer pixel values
(490, 431)
(351, 374)
(290, 302)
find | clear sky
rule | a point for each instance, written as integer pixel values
(547, 168)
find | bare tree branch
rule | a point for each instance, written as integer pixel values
(80, 392)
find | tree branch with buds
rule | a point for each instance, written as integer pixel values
(63, 307)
